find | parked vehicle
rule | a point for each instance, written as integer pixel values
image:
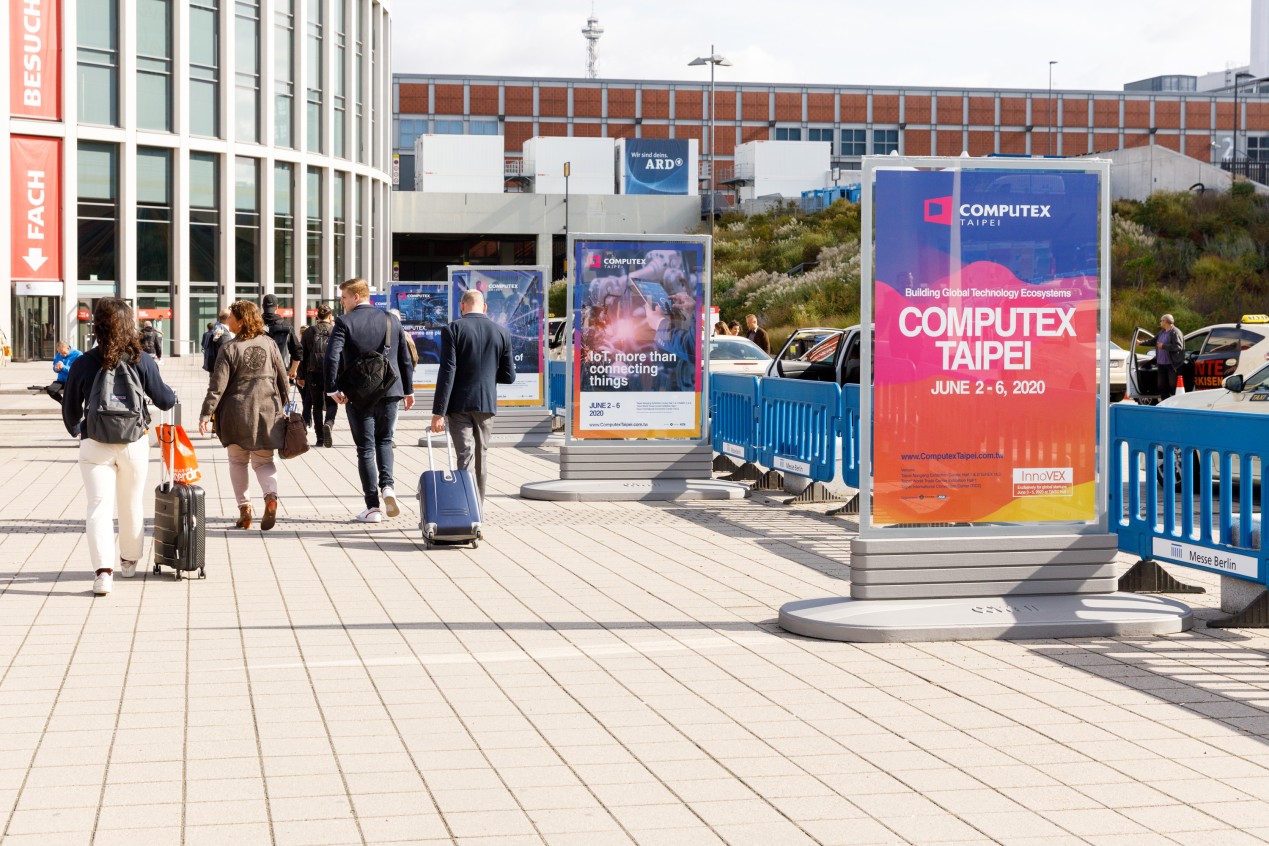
(1117, 385)
(819, 354)
(737, 355)
(556, 342)
(1212, 354)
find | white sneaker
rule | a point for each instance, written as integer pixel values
(127, 568)
(370, 515)
(389, 499)
(102, 584)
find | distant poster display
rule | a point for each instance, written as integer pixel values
(424, 308)
(637, 358)
(516, 299)
(986, 306)
(656, 166)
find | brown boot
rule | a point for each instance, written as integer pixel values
(244, 516)
(270, 512)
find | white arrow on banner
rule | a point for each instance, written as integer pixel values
(35, 258)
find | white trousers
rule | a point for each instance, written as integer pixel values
(114, 476)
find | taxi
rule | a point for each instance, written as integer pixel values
(1212, 354)
(1247, 394)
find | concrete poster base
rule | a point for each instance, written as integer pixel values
(628, 490)
(985, 618)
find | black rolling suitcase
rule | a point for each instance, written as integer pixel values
(180, 536)
(449, 503)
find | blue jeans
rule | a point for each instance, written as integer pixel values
(372, 432)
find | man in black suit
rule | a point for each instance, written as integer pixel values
(475, 358)
(361, 329)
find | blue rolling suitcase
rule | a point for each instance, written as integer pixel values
(449, 503)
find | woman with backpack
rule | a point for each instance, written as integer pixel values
(104, 406)
(319, 409)
(248, 394)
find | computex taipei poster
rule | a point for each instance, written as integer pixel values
(986, 309)
(516, 300)
(638, 359)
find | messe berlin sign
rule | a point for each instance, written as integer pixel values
(35, 206)
(986, 308)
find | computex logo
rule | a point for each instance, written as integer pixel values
(939, 210)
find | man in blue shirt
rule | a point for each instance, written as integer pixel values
(61, 366)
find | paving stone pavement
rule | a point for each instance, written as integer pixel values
(593, 674)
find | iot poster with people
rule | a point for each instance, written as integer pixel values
(637, 366)
(515, 298)
(424, 308)
(987, 305)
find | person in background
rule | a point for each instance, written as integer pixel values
(757, 334)
(409, 341)
(220, 335)
(248, 391)
(361, 329)
(734, 327)
(61, 366)
(151, 340)
(114, 473)
(1169, 355)
(319, 409)
(207, 337)
(720, 328)
(282, 334)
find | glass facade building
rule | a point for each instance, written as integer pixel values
(200, 145)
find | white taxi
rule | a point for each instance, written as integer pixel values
(1212, 354)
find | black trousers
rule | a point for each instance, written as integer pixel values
(1167, 380)
(317, 404)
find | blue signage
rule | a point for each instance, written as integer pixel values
(657, 166)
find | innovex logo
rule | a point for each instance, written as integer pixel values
(939, 210)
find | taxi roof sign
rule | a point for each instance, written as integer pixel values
(1255, 318)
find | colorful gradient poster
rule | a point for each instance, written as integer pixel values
(638, 362)
(986, 308)
(516, 300)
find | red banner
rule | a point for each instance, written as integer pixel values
(310, 312)
(35, 203)
(286, 312)
(83, 315)
(35, 46)
(154, 314)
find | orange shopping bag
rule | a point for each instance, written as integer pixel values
(180, 462)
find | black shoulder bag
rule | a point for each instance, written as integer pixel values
(370, 376)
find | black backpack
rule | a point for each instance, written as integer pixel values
(370, 376)
(321, 339)
(281, 333)
(116, 412)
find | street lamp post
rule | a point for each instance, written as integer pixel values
(712, 60)
(1233, 153)
(568, 167)
(1052, 62)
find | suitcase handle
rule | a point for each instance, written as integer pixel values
(449, 451)
(167, 472)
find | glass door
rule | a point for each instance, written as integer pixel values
(35, 321)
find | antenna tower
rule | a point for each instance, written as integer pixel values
(592, 32)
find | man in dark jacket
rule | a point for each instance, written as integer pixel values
(757, 334)
(151, 340)
(361, 329)
(319, 408)
(282, 334)
(475, 359)
(1169, 355)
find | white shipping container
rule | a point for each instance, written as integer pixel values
(459, 164)
(786, 168)
(592, 167)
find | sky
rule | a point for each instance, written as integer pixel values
(921, 43)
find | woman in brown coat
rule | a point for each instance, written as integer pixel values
(248, 393)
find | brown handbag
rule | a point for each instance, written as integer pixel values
(295, 442)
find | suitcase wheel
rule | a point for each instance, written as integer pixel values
(158, 569)
(427, 544)
(474, 543)
(202, 574)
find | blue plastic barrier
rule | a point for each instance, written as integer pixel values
(733, 404)
(555, 387)
(850, 435)
(1162, 460)
(798, 427)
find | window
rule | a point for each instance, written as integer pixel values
(284, 232)
(247, 274)
(359, 132)
(98, 62)
(854, 142)
(284, 74)
(247, 71)
(340, 270)
(361, 266)
(448, 127)
(410, 130)
(98, 171)
(154, 65)
(484, 127)
(337, 72)
(885, 141)
(204, 67)
(154, 215)
(204, 218)
(788, 133)
(314, 212)
(1258, 147)
(1229, 340)
(819, 133)
(314, 84)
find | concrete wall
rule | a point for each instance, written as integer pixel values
(543, 215)
(1140, 171)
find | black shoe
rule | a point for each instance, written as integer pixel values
(326, 438)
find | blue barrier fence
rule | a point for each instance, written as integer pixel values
(798, 425)
(555, 387)
(733, 404)
(850, 435)
(1173, 477)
